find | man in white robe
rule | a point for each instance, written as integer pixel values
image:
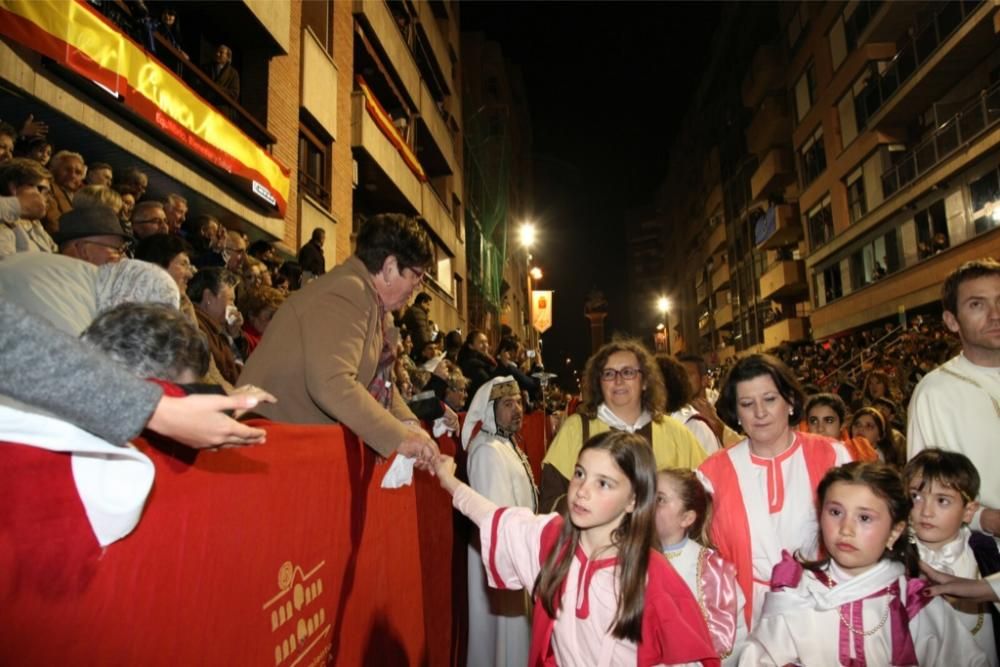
(956, 407)
(499, 623)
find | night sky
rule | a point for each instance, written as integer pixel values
(607, 83)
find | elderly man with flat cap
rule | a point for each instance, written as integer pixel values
(499, 628)
(93, 234)
(329, 351)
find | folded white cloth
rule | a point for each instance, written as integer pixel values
(113, 482)
(400, 473)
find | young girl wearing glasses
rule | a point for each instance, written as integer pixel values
(622, 390)
(602, 595)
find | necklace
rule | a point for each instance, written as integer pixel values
(862, 631)
(979, 625)
(673, 554)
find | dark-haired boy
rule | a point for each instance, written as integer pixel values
(944, 487)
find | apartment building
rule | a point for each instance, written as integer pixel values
(499, 178)
(871, 171)
(406, 132)
(896, 136)
(116, 93)
(704, 254)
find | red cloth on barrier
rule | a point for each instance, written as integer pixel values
(276, 555)
(269, 555)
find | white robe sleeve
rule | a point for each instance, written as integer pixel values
(488, 475)
(510, 557)
(755, 654)
(940, 638)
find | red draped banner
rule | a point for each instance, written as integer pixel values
(284, 554)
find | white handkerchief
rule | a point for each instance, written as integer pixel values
(440, 428)
(113, 482)
(400, 473)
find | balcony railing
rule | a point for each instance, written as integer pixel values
(120, 14)
(919, 46)
(314, 188)
(949, 137)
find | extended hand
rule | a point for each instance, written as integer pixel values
(450, 418)
(199, 421)
(444, 468)
(976, 590)
(251, 391)
(989, 520)
(418, 445)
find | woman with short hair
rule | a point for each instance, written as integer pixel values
(765, 486)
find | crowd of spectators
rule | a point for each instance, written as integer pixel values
(865, 379)
(436, 371)
(57, 204)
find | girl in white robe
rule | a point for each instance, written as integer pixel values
(683, 513)
(858, 607)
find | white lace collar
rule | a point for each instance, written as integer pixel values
(605, 414)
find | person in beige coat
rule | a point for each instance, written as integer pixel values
(328, 353)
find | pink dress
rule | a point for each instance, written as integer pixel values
(512, 547)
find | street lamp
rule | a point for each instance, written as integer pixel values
(526, 234)
(663, 305)
(535, 273)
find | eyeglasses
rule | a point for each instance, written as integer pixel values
(611, 374)
(116, 249)
(418, 275)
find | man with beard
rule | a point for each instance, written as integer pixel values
(499, 629)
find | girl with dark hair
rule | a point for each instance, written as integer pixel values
(764, 486)
(825, 415)
(683, 514)
(862, 588)
(622, 391)
(878, 384)
(594, 567)
(868, 423)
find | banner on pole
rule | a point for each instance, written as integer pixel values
(541, 310)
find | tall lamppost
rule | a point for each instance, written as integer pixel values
(663, 305)
(527, 234)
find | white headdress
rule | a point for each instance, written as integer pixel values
(481, 408)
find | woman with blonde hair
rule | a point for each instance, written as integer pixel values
(622, 390)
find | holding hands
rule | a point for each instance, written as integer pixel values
(420, 446)
(444, 468)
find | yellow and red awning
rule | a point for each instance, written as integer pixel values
(79, 38)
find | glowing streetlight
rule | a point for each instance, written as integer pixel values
(527, 233)
(663, 328)
(535, 273)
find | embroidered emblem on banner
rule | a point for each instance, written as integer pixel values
(297, 620)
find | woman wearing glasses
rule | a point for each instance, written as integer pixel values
(622, 390)
(764, 487)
